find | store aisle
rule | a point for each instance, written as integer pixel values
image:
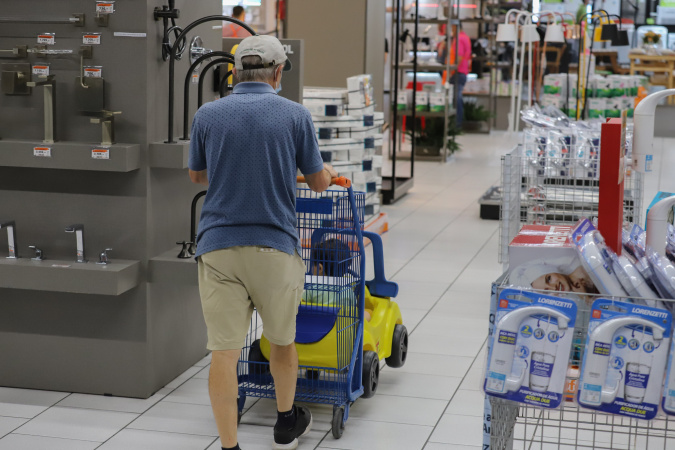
(444, 259)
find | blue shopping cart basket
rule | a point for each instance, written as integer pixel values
(329, 335)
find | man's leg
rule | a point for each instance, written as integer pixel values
(227, 313)
(284, 367)
(223, 389)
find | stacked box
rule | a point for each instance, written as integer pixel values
(606, 96)
(349, 133)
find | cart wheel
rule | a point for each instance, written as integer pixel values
(399, 347)
(257, 371)
(338, 422)
(371, 373)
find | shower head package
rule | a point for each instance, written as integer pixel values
(530, 348)
(625, 359)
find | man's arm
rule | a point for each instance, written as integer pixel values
(200, 177)
(320, 181)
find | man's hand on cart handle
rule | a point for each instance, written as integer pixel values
(337, 181)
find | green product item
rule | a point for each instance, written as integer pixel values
(617, 86)
(596, 107)
(602, 88)
(613, 107)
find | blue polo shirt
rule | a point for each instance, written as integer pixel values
(251, 144)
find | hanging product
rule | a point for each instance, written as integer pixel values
(595, 257)
(664, 273)
(668, 403)
(532, 341)
(625, 359)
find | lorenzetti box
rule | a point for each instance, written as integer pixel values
(543, 257)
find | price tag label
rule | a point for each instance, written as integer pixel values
(91, 38)
(42, 152)
(105, 7)
(93, 71)
(195, 78)
(46, 39)
(41, 70)
(100, 153)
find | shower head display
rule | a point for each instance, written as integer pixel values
(625, 358)
(530, 347)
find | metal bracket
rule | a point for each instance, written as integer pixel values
(18, 52)
(165, 13)
(78, 19)
(102, 19)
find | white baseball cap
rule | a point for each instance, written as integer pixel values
(267, 47)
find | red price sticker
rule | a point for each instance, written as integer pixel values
(91, 39)
(42, 152)
(92, 72)
(46, 39)
(105, 7)
(100, 153)
(41, 70)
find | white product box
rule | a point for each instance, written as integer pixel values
(403, 100)
(360, 91)
(437, 101)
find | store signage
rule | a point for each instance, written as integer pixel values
(100, 153)
(41, 70)
(91, 38)
(93, 71)
(42, 152)
(46, 39)
(288, 49)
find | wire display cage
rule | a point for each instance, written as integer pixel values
(330, 316)
(516, 426)
(559, 187)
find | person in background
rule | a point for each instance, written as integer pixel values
(232, 30)
(463, 62)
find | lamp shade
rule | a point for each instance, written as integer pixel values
(529, 33)
(554, 33)
(621, 39)
(506, 32)
(608, 32)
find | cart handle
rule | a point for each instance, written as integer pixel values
(339, 181)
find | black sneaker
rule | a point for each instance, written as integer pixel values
(287, 439)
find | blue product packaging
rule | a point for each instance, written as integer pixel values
(625, 359)
(530, 348)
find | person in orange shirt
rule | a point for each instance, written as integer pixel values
(232, 30)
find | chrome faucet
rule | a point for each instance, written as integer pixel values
(103, 257)
(11, 238)
(78, 229)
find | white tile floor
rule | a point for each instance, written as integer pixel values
(443, 257)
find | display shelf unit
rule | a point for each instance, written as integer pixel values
(115, 278)
(168, 268)
(70, 155)
(169, 156)
(120, 329)
(396, 185)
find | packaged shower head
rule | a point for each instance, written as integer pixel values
(664, 273)
(594, 390)
(634, 283)
(500, 380)
(596, 259)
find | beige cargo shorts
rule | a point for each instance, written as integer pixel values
(234, 280)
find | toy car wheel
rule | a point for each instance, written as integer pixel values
(256, 370)
(399, 347)
(371, 373)
(338, 425)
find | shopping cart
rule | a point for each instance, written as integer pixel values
(330, 325)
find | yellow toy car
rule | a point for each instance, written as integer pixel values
(384, 335)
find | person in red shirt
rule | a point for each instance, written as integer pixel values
(232, 30)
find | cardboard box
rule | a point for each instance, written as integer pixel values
(403, 100)
(543, 257)
(437, 101)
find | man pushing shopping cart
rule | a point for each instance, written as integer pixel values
(247, 148)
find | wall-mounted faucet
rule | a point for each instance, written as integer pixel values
(103, 256)
(78, 229)
(192, 249)
(49, 84)
(39, 255)
(11, 237)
